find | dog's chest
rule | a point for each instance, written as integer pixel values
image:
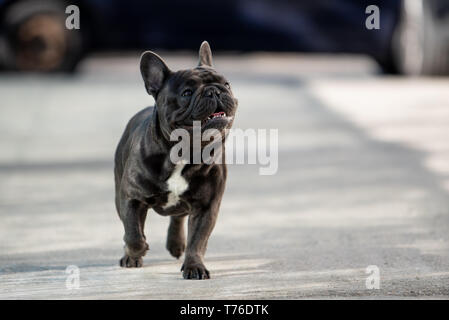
(176, 186)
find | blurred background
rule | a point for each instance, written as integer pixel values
(412, 39)
(363, 120)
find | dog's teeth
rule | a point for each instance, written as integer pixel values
(220, 114)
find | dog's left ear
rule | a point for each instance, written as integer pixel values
(154, 72)
(205, 55)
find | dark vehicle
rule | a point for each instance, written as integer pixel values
(413, 37)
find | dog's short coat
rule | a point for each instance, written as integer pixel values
(145, 176)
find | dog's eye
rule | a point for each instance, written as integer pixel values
(187, 93)
(227, 85)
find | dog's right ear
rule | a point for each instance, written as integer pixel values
(154, 72)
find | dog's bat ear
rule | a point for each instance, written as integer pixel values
(205, 55)
(154, 72)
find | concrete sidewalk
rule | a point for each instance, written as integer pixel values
(363, 180)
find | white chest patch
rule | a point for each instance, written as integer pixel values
(176, 185)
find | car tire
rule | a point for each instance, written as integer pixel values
(36, 39)
(421, 40)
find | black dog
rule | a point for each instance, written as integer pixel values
(145, 176)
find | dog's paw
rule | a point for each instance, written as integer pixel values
(130, 262)
(136, 249)
(195, 271)
(176, 247)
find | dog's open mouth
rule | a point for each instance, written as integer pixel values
(216, 120)
(215, 115)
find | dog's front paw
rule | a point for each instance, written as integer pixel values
(130, 262)
(195, 271)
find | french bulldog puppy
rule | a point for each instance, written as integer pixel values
(145, 175)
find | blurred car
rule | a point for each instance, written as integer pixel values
(413, 36)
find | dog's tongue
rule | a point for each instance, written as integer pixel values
(217, 115)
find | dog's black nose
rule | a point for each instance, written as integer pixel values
(211, 91)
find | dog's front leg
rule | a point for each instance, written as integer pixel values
(199, 229)
(133, 214)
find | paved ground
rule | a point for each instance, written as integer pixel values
(363, 180)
